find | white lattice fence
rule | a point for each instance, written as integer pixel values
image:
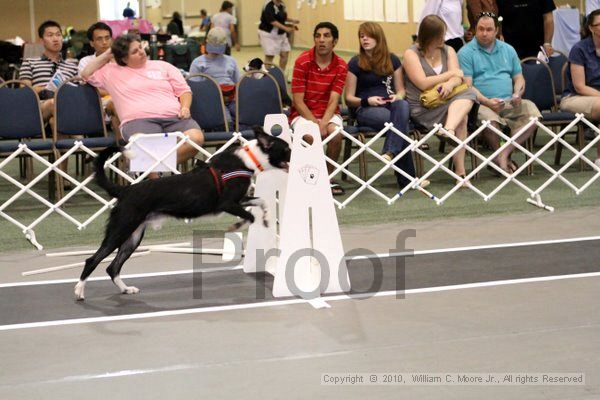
(368, 184)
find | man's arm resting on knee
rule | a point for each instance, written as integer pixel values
(332, 106)
(37, 88)
(518, 89)
(302, 108)
(493, 104)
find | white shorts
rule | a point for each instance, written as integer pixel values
(272, 43)
(336, 120)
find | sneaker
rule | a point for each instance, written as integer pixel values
(423, 184)
(388, 156)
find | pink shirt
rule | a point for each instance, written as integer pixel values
(152, 91)
(121, 25)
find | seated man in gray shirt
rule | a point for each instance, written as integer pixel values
(221, 67)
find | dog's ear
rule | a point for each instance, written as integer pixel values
(264, 140)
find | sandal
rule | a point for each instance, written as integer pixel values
(442, 135)
(336, 189)
(465, 184)
(424, 184)
(67, 185)
(496, 172)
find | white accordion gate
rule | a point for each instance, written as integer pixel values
(532, 157)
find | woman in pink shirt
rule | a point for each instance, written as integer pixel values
(149, 96)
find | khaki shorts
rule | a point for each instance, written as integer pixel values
(579, 104)
(272, 43)
(513, 117)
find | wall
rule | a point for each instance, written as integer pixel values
(16, 15)
(398, 34)
(79, 14)
(82, 13)
(15, 19)
(249, 14)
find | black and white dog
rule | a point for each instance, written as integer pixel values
(221, 185)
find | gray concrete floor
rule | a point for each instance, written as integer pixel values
(281, 352)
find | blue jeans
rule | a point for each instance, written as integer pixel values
(397, 113)
(230, 115)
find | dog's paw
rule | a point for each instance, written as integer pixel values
(238, 226)
(79, 291)
(130, 154)
(131, 290)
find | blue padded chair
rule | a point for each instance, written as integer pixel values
(208, 110)
(79, 116)
(21, 122)
(78, 112)
(208, 107)
(556, 64)
(279, 76)
(540, 90)
(256, 98)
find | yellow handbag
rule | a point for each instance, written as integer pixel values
(431, 98)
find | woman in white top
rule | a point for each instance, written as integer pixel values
(451, 12)
(225, 19)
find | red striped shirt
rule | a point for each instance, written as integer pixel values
(316, 83)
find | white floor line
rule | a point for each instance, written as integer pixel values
(479, 247)
(130, 276)
(77, 321)
(364, 257)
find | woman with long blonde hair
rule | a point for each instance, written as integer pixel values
(375, 90)
(427, 64)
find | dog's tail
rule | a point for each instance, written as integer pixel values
(102, 180)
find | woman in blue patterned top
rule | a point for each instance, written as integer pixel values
(375, 89)
(582, 94)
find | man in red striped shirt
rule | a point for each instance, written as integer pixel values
(317, 86)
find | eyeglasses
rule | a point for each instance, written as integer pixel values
(487, 14)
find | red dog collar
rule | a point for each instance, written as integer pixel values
(253, 158)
